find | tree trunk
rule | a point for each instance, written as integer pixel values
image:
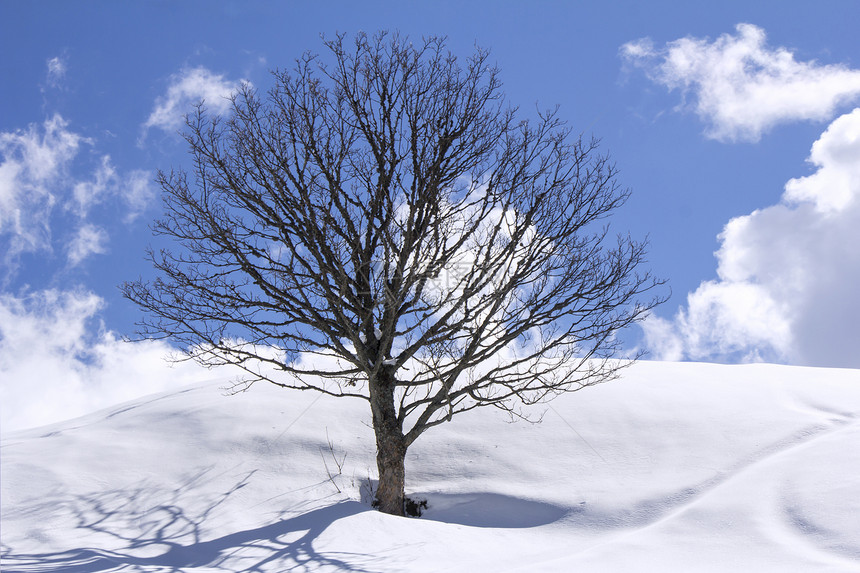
(390, 446)
(390, 458)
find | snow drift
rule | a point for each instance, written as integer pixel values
(676, 466)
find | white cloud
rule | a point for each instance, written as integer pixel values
(138, 193)
(741, 87)
(39, 184)
(56, 71)
(788, 274)
(834, 186)
(56, 363)
(35, 164)
(187, 88)
(89, 240)
(89, 193)
(723, 320)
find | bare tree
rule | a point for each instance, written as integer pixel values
(382, 226)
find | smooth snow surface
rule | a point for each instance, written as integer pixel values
(675, 467)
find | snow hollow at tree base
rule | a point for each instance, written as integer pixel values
(678, 467)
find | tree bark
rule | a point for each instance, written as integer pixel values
(390, 446)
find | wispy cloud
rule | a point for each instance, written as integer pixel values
(741, 87)
(89, 240)
(788, 273)
(90, 192)
(43, 180)
(138, 193)
(56, 71)
(187, 88)
(35, 164)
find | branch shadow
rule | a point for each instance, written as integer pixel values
(147, 529)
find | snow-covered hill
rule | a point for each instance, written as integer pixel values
(675, 467)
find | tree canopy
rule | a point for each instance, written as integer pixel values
(382, 224)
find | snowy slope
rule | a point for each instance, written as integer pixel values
(675, 467)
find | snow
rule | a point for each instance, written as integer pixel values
(674, 467)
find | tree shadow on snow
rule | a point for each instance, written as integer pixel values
(490, 510)
(144, 529)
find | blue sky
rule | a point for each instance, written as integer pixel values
(731, 122)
